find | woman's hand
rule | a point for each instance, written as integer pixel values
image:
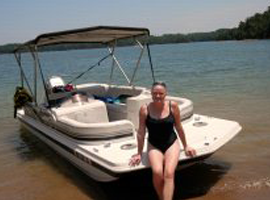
(190, 151)
(135, 160)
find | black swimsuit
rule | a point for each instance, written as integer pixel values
(161, 132)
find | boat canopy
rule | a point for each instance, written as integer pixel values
(107, 35)
(98, 34)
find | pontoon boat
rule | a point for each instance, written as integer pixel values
(93, 125)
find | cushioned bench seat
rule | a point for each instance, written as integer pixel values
(90, 122)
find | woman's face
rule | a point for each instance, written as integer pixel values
(158, 93)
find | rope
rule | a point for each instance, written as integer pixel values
(90, 68)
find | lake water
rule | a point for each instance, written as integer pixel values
(229, 80)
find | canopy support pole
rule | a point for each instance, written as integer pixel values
(150, 61)
(118, 64)
(138, 62)
(35, 56)
(23, 77)
(113, 64)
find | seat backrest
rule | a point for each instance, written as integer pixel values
(93, 111)
(134, 104)
(133, 107)
(116, 90)
(93, 89)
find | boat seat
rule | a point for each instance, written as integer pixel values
(116, 91)
(117, 111)
(93, 89)
(93, 111)
(133, 107)
(90, 122)
(134, 104)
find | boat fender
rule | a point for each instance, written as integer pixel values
(21, 97)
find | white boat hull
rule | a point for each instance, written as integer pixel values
(109, 163)
(93, 125)
(44, 134)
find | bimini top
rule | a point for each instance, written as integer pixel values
(98, 34)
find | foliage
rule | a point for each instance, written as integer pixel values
(8, 48)
(256, 27)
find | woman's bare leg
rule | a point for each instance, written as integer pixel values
(156, 159)
(170, 163)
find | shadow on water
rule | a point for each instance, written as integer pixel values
(190, 182)
(198, 179)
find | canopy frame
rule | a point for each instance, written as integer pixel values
(106, 35)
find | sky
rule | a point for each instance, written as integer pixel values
(23, 20)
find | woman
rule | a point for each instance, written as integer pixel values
(160, 117)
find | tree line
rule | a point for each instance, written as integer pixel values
(255, 27)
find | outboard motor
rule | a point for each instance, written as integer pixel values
(58, 90)
(56, 84)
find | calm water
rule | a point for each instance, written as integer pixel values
(224, 79)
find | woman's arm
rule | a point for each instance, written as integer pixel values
(136, 159)
(178, 126)
(142, 127)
